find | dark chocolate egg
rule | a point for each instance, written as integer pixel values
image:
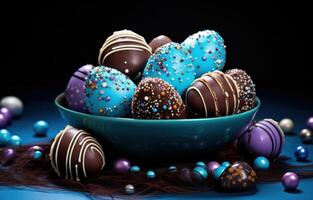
(156, 99)
(76, 155)
(125, 51)
(247, 95)
(159, 41)
(238, 177)
(213, 94)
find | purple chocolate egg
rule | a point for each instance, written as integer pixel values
(263, 138)
(75, 90)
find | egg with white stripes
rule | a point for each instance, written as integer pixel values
(125, 51)
(76, 155)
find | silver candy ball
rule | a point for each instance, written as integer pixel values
(14, 104)
(306, 136)
(129, 189)
(286, 125)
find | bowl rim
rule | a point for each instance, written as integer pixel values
(62, 95)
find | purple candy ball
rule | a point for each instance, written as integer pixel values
(310, 123)
(6, 112)
(8, 156)
(211, 166)
(264, 138)
(3, 120)
(290, 180)
(75, 91)
(121, 165)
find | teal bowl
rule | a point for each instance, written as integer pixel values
(160, 138)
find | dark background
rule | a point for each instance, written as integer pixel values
(42, 45)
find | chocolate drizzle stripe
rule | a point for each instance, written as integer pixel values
(127, 40)
(281, 134)
(57, 148)
(213, 95)
(51, 153)
(273, 134)
(270, 136)
(222, 86)
(203, 102)
(82, 72)
(78, 77)
(232, 90)
(76, 172)
(236, 88)
(117, 50)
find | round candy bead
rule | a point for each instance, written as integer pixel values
(306, 136)
(261, 163)
(150, 174)
(3, 120)
(211, 166)
(286, 125)
(8, 156)
(172, 169)
(36, 148)
(218, 172)
(207, 50)
(200, 173)
(290, 180)
(200, 164)
(309, 123)
(15, 141)
(5, 136)
(37, 155)
(226, 164)
(14, 104)
(41, 128)
(129, 189)
(134, 169)
(121, 165)
(301, 153)
(7, 113)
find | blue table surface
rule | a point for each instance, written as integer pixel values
(273, 106)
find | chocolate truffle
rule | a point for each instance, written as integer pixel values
(159, 41)
(247, 95)
(125, 51)
(76, 155)
(238, 177)
(74, 92)
(263, 138)
(108, 92)
(156, 99)
(173, 65)
(213, 94)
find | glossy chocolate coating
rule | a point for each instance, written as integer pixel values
(159, 41)
(75, 155)
(125, 51)
(238, 177)
(213, 94)
(247, 94)
(156, 99)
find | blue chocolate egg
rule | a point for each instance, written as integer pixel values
(108, 92)
(173, 65)
(207, 50)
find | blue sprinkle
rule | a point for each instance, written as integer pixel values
(164, 107)
(134, 169)
(154, 110)
(150, 174)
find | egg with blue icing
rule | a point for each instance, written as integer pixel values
(207, 49)
(108, 92)
(173, 65)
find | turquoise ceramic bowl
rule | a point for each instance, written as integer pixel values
(160, 138)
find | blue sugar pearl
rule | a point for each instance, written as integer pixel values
(37, 155)
(218, 172)
(172, 169)
(200, 164)
(134, 169)
(164, 107)
(261, 163)
(200, 173)
(154, 110)
(15, 141)
(5, 136)
(41, 128)
(150, 174)
(301, 153)
(226, 164)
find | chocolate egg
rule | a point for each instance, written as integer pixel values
(159, 41)
(238, 177)
(75, 91)
(263, 138)
(213, 94)
(156, 99)
(76, 155)
(171, 64)
(247, 95)
(108, 92)
(125, 51)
